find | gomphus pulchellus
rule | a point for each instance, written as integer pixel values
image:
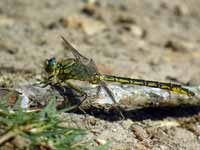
(84, 69)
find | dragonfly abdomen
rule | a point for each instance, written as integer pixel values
(166, 86)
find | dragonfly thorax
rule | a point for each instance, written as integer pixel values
(73, 69)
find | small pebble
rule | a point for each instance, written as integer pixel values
(100, 141)
(140, 133)
(127, 124)
(138, 31)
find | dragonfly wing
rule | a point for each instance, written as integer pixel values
(102, 83)
(108, 91)
(90, 63)
(93, 65)
(77, 55)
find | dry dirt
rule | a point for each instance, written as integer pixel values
(154, 40)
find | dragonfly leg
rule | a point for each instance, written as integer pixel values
(80, 91)
(98, 90)
(41, 83)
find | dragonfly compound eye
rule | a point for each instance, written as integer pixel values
(51, 61)
(50, 64)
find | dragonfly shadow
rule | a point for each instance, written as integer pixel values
(162, 112)
(70, 96)
(136, 114)
(140, 114)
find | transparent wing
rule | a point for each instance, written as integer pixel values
(90, 63)
(102, 83)
(76, 54)
(93, 65)
(108, 91)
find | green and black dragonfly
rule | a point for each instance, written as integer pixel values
(84, 69)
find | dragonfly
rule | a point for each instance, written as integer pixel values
(84, 69)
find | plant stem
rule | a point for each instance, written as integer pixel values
(8, 136)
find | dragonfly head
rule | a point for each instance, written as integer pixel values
(50, 65)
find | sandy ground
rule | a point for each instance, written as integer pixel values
(154, 40)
